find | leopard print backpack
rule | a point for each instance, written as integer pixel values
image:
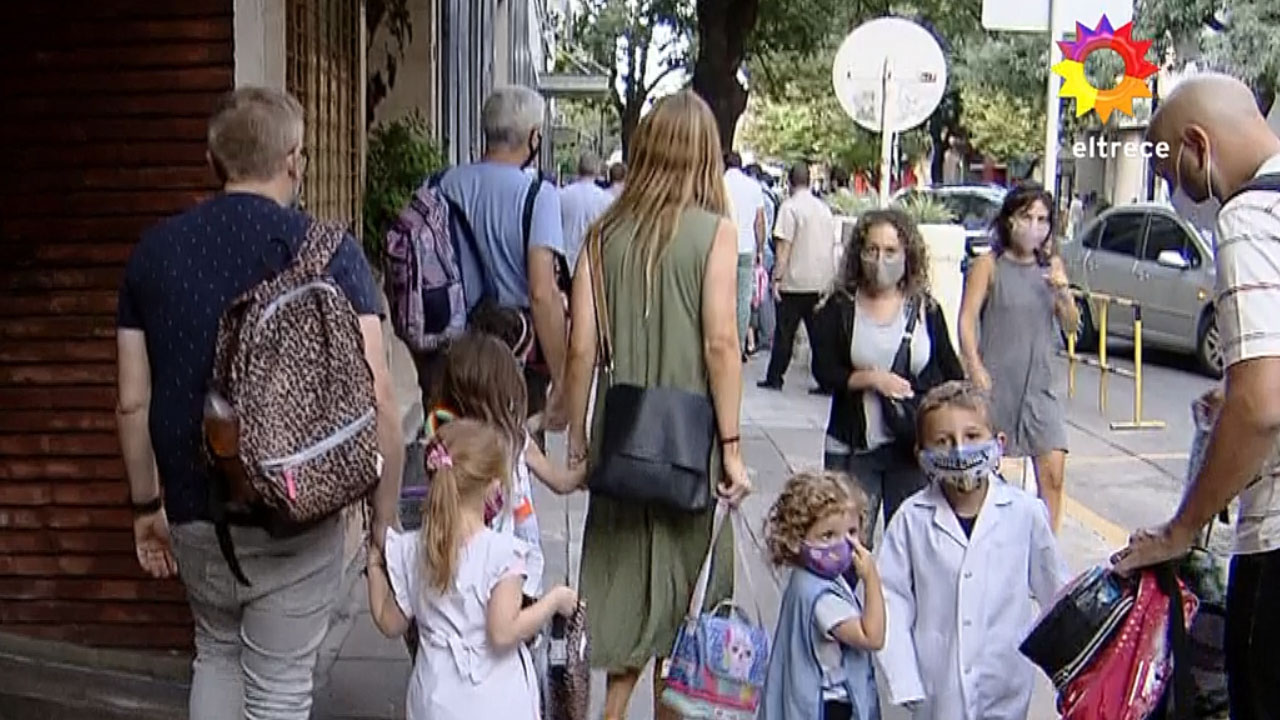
(300, 443)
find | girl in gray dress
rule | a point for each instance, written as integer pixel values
(1015, 294)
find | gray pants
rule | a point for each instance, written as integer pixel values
(256, 646)
(887, 476)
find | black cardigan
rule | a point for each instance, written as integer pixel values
(832, 366)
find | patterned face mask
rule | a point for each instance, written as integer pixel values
(963, 468)
(829, 561)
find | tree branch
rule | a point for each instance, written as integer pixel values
(662, 76)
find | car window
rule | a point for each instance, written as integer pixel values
(1090, 240)
(1122, 232)
(1164, 233)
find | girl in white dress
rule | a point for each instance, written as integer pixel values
(461, 583)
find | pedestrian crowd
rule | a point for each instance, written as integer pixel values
(620, 308)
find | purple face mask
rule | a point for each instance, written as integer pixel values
(828, 561)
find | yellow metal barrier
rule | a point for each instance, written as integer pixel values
(1103, 302)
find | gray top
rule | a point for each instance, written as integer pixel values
(873, 347)
(1019, 337)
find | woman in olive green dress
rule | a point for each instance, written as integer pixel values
(669, 259)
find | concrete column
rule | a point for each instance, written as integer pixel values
(260, 43)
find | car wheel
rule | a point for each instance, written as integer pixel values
(1086, 334)
(1209, 345)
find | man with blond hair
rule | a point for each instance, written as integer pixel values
(255, 644)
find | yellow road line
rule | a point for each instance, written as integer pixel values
(1115, 536)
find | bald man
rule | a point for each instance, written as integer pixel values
(1218, 143)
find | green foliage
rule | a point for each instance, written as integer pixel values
(1001, 125)
(851, 205)
(402, 154)
(926, 209)
(613, 33)
(1239, 37)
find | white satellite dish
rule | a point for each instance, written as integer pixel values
(916, 72)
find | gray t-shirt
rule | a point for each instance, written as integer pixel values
(493, 196)
(830, 612)
(873, 347)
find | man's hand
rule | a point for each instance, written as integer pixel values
(1152, 546)
(153, 545)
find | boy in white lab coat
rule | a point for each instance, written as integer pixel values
(961, 561)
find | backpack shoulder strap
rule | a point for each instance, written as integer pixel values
(526, 219)
(318, 247)
(1266, 183)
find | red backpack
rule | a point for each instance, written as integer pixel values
(1141, 660)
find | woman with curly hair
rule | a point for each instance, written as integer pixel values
(820, 666)
(881, 341)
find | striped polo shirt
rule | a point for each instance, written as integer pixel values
(1248, 307)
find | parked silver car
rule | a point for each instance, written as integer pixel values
(1146, 253)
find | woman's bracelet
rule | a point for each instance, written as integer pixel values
(730, 440)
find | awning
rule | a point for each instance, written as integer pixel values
(573, 85)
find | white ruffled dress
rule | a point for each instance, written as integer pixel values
(457, 674)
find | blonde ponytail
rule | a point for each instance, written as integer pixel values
(463, 461)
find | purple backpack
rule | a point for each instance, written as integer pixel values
(423, 275)
(424, 280)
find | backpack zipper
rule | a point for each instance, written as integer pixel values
(274, 306)
(338, 437)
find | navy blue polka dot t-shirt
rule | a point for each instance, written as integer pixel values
(181, 276)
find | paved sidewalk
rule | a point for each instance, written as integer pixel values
(781, 432)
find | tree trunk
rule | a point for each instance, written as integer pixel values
(937, 163)
(630, 117)
(723, 29)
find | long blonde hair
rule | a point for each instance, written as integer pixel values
(463, 460)
(675, 164)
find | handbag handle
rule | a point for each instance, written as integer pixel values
(595, 251)
(699, 597)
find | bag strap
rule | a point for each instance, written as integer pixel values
(902, 360)
(699, 598)
(483, 260)
(1183, 705)
(604, 351)
(318, 247)
(526, 218)
(1264, 183)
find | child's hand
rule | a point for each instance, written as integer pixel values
(565, 600)
(577, 477)
(863, 561)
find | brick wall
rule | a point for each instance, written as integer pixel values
(102, 133)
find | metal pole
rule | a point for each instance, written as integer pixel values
(1137, 423)
(886, 137)
(1052, 106)
(1137, 365)
(1102, 356)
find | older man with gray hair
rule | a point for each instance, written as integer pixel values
(515, 217)
(582, 202)
(255, 644)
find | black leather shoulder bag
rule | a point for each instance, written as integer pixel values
(657, 441)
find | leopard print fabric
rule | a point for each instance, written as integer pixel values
(290, 358)
(569, 694)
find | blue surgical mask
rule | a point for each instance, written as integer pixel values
(964, 468)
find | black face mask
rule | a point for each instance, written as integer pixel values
(535, 149)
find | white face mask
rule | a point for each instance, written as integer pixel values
(1197, 213)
